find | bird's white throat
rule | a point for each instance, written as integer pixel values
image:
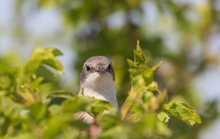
(100, 86)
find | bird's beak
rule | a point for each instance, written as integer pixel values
(101, 70)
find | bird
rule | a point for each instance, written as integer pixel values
(97, 80)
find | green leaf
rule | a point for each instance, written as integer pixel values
(38, 111)
(139, 56)
(57, 97)
(45, 53)
(152, 87)
(163, 117)
(184, 112)
(76, 104)
(109, 120)
(47, 74)
(141, 79)
(40, 56)
(55, 125)
(141, 74)
(31, 74)
(149, 126)
(62, 93)
(99, 106)
(156, 67)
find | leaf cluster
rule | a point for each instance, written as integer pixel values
(28, 111)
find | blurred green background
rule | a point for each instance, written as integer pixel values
(184, 34)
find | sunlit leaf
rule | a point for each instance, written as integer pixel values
(40, 56)
(163, 117)
(184, 112)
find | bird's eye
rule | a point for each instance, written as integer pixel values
(88, 68)
(109, 67)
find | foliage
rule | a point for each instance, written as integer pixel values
(181, 33)
(28, 111)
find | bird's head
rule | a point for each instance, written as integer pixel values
(97, 79)
(97, 70)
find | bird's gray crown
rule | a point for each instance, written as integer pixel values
(100, 64)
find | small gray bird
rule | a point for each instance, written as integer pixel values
(97, 80)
